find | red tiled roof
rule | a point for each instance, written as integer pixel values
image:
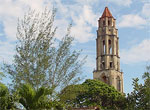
(106, 13)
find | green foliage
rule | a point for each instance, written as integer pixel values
(139, 99)
(34, 99)
(1, 75)
(93, 93)
(70, 93)
(7, 101)
(57, 105)
(38, 61)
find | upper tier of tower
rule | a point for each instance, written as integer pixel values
(107, 23)
(107, 43)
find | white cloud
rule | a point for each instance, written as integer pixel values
(82, 30)
(121, 2)
(145, 1)
(62, 28)
(10, 28)
(83, 19)
(131, 20)
(146, 10)
(89, 16)
(11, 10)
(137, 53)
(82, 33)
(81, 15)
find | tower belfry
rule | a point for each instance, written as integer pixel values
(107, 47)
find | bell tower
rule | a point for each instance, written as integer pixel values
(107, 47)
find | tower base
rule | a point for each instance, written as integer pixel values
(110, 77)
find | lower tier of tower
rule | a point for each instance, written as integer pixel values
(110, 77)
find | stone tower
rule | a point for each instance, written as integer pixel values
(107, 46)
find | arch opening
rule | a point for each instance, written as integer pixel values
(110, 46)
(104, 46)
(108, 23)
(105, 79)
(117, 48)
(118, 83)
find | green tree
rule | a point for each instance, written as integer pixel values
(33, 99)
(70, 93)
(7, 100)
(1, 75)
(41, 59)
(139, 99)
(93, 93)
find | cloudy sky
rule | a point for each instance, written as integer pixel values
(133, 23)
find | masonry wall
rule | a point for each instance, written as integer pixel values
(107, 48)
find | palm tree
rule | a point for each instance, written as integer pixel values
(33, 99)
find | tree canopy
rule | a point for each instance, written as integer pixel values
(139, 99)
(33, 99)
(93, 93)
(41, 59)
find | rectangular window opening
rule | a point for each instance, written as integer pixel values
(103, 65)
(111, 64)
(108, 23)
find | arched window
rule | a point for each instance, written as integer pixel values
(104, 46)
(110, 47)
(105, 78)
(118, 83)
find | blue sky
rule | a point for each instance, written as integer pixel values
(133, 23)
